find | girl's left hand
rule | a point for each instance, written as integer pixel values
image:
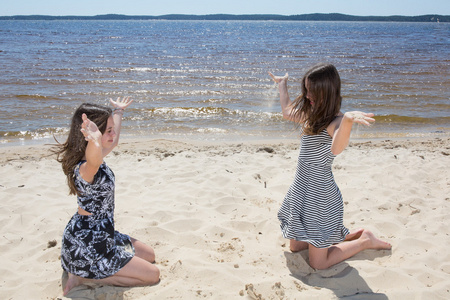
(90, 131)
(360, 117)
(279, 79)
(121, 103)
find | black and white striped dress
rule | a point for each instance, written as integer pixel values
(312, 210)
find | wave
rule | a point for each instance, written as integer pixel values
(38, 134)
(397, 119)
(34, 96)
(210, 112)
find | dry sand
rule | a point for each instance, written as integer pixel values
(209, 211)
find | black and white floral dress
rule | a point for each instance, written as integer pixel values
(91, 248)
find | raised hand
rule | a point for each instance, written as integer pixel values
(360, 117)
(279, 79)
(90, 131)
(121, 104)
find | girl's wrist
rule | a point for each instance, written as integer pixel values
(118, 110)
(348, 116)
(96, 141)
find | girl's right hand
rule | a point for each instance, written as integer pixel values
(90, 131)
(279, 79)
(360, 117)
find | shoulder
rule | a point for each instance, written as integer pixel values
(78, 166)
(89, 173)
(334, 125)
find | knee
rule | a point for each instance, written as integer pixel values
(293, 246)
(152, 276)
(296, 246)
(143, 251)
(317, 264)
(151, 256)
(155, 278)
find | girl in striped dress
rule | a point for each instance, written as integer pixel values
(311, 215)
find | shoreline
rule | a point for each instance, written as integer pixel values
(293, 135)
(209, 209)
(11, 152)
(42, 147)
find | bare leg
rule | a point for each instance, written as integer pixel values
(72, 281)
(323, 258)
(137, 272)
(354, 235)
(143, 251)
(296, 246)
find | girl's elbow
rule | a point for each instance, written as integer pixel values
(336, 151)
(287, 116)
(115, 143)
(338, 147)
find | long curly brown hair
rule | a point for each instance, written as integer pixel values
(70, 153)
(325, 85)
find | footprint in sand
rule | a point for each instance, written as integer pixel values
(251, 292)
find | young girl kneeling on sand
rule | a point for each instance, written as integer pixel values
(311, 215)
(92, 251)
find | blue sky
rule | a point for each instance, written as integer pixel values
(201, 7)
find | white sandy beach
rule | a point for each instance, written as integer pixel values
(210, 212)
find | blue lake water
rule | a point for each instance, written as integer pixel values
(208, 79)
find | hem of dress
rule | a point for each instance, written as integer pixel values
(320, 244)
(98, 278)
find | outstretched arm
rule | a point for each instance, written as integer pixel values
(285, 101)
(94, 155)
(342, 130)
(119, 107)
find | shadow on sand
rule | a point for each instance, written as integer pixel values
(93, 291)
(342, 279)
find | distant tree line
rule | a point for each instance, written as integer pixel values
(226, 17)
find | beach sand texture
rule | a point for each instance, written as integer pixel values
(210, 212)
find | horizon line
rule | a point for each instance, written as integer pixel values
(221, 14)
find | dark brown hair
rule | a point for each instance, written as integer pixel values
(73, 150)
(325, 86)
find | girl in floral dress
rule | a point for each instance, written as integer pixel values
(92, 250)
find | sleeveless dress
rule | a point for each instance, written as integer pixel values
(91, 248)
(312, 210)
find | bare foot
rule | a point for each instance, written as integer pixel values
(72, 282)
(374, 242)
(354, 235)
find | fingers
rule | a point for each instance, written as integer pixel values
(124, 103)
(275, 79)
(278, 79)
(364, 120)
(84, 124)
(85, 127)
(361, 117)
(128, 101)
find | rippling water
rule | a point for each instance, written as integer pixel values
(208, 79)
